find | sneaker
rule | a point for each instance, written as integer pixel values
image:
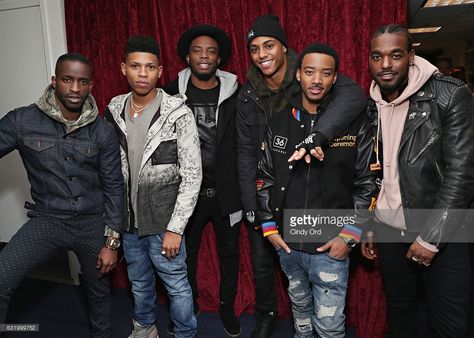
(265, 325)
(230, 321)
(140, 331)
(170, 329)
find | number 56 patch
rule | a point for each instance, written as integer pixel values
(279, 142)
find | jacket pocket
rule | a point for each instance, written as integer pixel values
(166, 153)
(86, 155)
(42, 150)
(431, 140)
(87, 149)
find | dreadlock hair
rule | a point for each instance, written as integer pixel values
(72, 57)
(320, 49)
(142, 43)
(395, 29)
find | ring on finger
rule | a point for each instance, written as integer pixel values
(414, 258)
(425, 263)
(163, 252)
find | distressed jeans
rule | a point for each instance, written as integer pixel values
(143, 255)
(317, 289)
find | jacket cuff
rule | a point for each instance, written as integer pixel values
(109, 232)
(269, 228)
(351, 232)
(426, 245)
(320, 140)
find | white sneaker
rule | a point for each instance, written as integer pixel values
(143, 331)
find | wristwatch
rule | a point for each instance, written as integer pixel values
(250, 216)
(350, 242)
(112, 243)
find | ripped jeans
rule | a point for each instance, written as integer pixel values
(317, 289)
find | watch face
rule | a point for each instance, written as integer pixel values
(351, 243)
(113, 243)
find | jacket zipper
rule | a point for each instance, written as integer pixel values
(438, 169)
(431, 140)
(307, 176)
(307, 187)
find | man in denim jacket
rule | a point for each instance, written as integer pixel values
(72, 160)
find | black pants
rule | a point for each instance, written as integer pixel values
(446, 283)
(207, 208)
(39, 239)
(263, 263)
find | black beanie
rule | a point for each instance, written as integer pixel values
(267, 25)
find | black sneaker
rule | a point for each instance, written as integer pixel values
(170, 329)
(230, 321)
(265, 325)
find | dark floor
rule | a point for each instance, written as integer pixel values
(60, 311)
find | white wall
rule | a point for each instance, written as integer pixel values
(32, 36)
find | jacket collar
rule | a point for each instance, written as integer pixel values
(227, 80)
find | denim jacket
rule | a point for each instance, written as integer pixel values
(72, 171)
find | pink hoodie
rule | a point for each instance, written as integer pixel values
(392, 116)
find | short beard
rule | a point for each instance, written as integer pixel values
(389, 89)
(203, 76)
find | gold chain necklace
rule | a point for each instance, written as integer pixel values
(136, 108)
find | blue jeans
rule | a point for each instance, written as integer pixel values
(317, 289)
(143, 255)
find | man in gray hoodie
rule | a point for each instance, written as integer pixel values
(211, 94)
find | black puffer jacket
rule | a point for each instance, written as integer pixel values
(435, 158)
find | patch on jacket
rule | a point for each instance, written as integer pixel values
(344, 141)
(279, 143)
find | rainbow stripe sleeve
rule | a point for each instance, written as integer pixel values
(350, 231)
(269, 228)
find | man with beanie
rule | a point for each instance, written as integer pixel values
(270, 79)
(425, 122)
(72, 159)
(161, 164)
(211, 94)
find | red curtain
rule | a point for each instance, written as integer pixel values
(98, 29)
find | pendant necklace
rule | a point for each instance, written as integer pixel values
(136, 108)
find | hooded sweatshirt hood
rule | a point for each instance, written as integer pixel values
(48, 104)
(228, 83)
(392, 116)
(279, 98)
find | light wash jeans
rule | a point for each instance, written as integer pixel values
(144, 258)
(317, 289)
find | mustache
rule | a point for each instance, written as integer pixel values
(385, 72)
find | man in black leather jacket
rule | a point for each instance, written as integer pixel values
(424, 120)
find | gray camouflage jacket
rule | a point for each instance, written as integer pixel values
(170, 174)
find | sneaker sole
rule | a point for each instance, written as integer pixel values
(233, 335)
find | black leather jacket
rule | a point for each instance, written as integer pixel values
(435, 158)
